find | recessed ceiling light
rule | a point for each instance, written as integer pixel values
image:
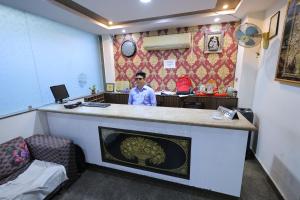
(123, 31)
(145, 1)
(110, 22)
(217, 19)
(225, 6)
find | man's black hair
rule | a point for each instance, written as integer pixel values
(141, 73)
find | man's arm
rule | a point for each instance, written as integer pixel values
(130, 98)
(152, 98)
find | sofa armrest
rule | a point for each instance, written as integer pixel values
(54, 149)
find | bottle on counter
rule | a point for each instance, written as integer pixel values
(201, 88)
(230, 91)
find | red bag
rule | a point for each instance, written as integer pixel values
(184, 85)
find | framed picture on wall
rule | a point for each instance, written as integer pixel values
(213, 42)
(274, 22)
(110, 87)
(288, 67)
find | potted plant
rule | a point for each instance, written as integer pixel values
(93, 89)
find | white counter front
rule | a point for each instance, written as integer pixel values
(217, 146)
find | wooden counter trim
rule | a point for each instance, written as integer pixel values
(207, 102)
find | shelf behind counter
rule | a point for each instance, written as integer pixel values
(203, 102)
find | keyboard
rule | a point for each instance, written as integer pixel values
(95, 104)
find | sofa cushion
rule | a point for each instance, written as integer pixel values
(54, 149)
(14, 175)
(14, 154)
(38, 181)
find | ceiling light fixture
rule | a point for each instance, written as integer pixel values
(225, 6)
(110, 22)
(145, 1)
(217, 19)
(123, 31)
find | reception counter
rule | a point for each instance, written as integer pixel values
(212, 151)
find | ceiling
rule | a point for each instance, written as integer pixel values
(116, 12)
(128, 10)
(133, 16)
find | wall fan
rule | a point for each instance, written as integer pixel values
(249, 35)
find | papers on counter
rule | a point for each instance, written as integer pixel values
(217, 115)
(224, 113)
(183, 95)
(163, 92)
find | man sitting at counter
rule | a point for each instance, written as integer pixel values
(141, 94)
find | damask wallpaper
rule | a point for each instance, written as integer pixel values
(200, 67)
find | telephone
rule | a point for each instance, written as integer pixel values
(73, 105)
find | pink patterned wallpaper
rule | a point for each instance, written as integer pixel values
(200, 67)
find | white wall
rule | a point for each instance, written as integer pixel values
(24, 125)
(108, 58)
(247, 65)
(277, 108)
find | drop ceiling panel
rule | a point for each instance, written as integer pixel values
(127, 10)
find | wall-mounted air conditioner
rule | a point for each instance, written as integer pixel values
(165, 42)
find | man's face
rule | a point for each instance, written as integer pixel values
(140, 81)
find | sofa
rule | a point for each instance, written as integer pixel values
(36, 167)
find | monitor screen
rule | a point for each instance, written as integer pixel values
(59, 92)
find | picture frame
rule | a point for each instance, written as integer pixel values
(213, 42)
(122, 86)
(274, 23)
(110, 87)
(288, 66)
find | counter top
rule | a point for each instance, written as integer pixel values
(184, 116)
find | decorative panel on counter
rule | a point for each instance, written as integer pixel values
(146, 151)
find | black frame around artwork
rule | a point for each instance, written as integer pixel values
(219, 35)
(277, 24)
(288, 70)
(149, 134)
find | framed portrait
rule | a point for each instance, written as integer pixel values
(110, 87)
(122, 86)
(273, 27)
(288, 67)
(213, 42)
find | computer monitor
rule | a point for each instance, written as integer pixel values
(59, 92)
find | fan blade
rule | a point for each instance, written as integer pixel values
(250, 42)
(251, 31)
(239, 34)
